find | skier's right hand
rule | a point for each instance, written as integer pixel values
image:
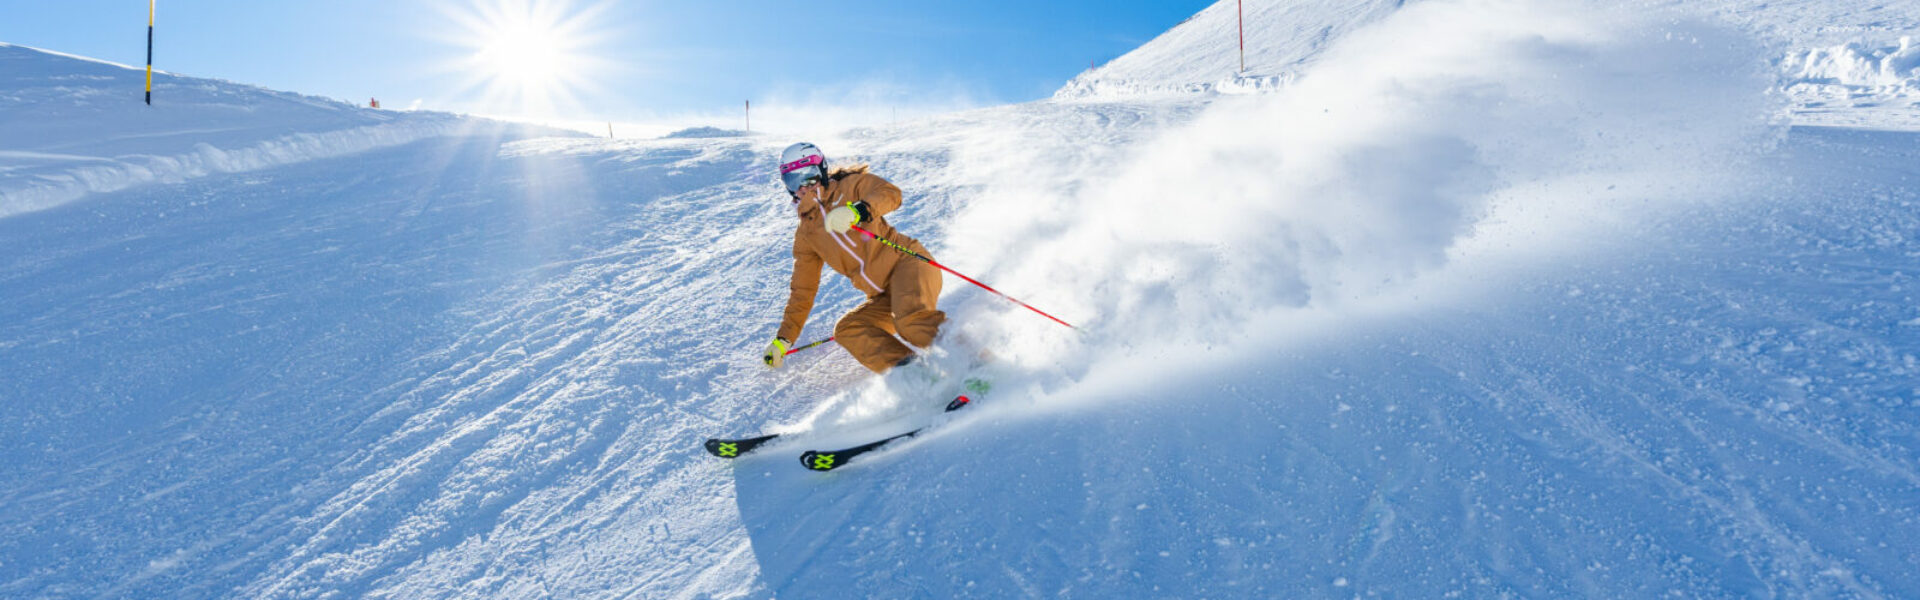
(845, 216)
(776, 354)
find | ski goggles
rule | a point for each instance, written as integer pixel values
(799, 173)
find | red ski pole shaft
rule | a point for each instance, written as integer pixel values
(808, 346)
(942, 267)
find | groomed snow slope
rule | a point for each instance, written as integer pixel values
(1553, 306)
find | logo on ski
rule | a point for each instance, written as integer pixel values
(818, 462)
(736, 448)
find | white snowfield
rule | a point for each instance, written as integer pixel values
(1464, 298)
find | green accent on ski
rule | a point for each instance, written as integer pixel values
(822, 462)
(729, 450)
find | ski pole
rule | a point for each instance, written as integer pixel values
(799, 348)
(942, 267)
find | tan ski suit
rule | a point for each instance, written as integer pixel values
(901, 290)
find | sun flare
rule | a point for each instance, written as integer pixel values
(525, 57)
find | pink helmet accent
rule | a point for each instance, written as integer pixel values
(809, 161)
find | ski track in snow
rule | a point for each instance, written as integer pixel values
(480, 365)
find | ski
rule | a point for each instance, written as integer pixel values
(828, 460)
(735, 448)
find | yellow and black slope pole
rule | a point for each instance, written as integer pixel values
(150, 4)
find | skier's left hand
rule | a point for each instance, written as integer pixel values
(776, 354)
(846, 215)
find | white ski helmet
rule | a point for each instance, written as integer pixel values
(802, 164)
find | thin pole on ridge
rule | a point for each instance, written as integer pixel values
(1242, 6)
(942, 267)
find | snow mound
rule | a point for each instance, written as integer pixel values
(1853, 65)
(1855, 84)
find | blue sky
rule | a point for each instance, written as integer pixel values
(628, 61)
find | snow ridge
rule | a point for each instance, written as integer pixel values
(71, 127)
(63, 179)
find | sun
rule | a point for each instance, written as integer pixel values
(525, 57)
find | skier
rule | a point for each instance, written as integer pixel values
(901, 294)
